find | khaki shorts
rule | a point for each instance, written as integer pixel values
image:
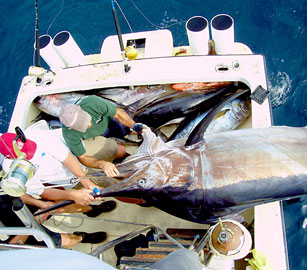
(101, 148)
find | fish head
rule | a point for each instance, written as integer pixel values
(166, 169)
(164, 172)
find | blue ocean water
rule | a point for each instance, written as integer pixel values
(276, 29)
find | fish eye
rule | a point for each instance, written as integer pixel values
(141, 182)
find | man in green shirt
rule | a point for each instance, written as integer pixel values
(83, 124)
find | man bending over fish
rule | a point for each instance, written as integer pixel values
(84, 126)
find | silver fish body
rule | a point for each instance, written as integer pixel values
(134, 96)
(231, 117)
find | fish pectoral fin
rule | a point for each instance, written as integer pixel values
(221, 113)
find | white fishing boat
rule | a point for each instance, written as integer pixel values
(146, 59)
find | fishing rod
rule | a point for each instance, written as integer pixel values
(36, 37)
(123, 173)
(120, 39)
(95, 194)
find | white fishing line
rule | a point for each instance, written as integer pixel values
(121, 11)
(55, 17)
(157, 26)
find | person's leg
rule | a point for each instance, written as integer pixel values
(74, 208)
(56, 237)
(104, 149)
(69, 240)
(92, 210)
(120, 152)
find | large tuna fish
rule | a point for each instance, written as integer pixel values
(224, 117)
(179, 104)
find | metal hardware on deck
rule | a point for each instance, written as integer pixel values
(101, 249)
(194, 241)
(260, 94)
(3, 237)
(236, 65)
(222, 68)
(202, 243)
(17, 246)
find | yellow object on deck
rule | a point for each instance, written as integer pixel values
(259, 261)
(131, 52)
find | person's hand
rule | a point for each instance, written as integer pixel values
(42, 218)
(88, 184)
(82, 196)
(45, 204)
(138, 127)
(108, 168)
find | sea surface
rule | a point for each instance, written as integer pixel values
(276, 29)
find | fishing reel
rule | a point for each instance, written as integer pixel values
(21, 170)
(230, 240)
(131, 51)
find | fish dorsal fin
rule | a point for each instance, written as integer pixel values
(198, 132)
(151, 143)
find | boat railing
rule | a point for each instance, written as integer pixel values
(32, 227)
(99, 251)
(4, 246)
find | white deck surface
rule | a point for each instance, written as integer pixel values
(269, 236)
(124, 214)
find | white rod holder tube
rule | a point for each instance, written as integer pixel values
(198, 34)
(68, 49)
(222, 30)
(49, 53)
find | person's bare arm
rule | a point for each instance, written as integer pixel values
(81, 196)
(19, 239)
(126, 120)
(28, 199)
(122, 117)
(74, 166)
(107, 167)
